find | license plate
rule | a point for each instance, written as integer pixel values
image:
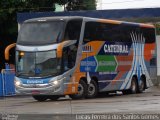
(35, 92)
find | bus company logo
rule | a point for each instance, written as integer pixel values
(116, 49)
(34, 81)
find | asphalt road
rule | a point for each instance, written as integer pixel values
(27, 108)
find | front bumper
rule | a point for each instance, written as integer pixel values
(40, 89)
(58, 90)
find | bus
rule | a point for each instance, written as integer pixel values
(82, 57)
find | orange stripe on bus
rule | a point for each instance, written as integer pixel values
(125, 59)
(77, 75)
(96, 46)
(124, 68)
(60, 48)
(74, 83)
(148, 51)
(109, 21)
(147, 25)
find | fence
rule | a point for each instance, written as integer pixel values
(7, 82)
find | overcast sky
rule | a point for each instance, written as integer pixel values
(124, 4)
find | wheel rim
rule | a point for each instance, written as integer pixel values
(80, 89)
(133, 86)
(141, 85)
(91, 89)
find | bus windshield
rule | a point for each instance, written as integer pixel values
(40, 33)
(37, 64)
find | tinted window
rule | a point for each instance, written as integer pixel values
(115, 32)
(73, 29)
(40, 33)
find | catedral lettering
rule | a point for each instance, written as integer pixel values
(52, 57)
(115, 48)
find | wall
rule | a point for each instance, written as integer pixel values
(158, 58)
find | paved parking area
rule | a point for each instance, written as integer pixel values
(147, 102)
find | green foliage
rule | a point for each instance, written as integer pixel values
(9, 8)
(90, 4)
(157, 25)
(72, 5)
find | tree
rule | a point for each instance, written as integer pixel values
(9, 8)
(90, 4)
(8, 20)
(157, 25)
(72, 5)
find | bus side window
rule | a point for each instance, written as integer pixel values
(69, 57)
(95, 31)
(73, 30)
(89, 32)
(65, 59)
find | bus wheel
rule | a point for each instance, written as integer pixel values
(92, 89)
(142, 85)
(134, 86)
(40, 98)
(82, 90)
(53, 97)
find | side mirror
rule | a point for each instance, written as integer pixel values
(7, 49)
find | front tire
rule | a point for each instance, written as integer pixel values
(82, 90)
(92, 89)
(53, 97)
(40, 98)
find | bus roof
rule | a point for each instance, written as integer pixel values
(67, 18)
(63, 18)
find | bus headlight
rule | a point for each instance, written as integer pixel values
(17, 82)
(55, 82)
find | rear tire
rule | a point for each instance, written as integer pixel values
(82, 91)
(134, 86)
(40, 98)
(92, 89)
(141, 87)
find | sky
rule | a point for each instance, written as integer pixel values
(125, 4)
